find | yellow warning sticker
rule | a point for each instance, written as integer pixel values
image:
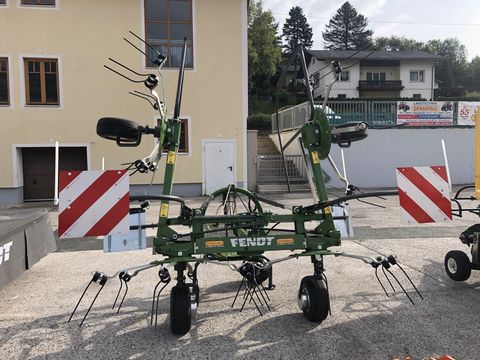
(315, 158)
(164, 210)
(328, 210)
(171, 157)
(214, 243)
(288, 241)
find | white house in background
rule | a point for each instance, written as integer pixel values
(366, 74)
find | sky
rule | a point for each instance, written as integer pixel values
(421, 20)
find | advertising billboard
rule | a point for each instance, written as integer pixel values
(425, 113)
(466, 112)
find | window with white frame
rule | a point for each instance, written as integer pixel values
(41, 81)
(376, 76)
(345, 76)
(417, 76)
(47, 3)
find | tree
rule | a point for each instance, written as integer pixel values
(346, 30)
(452, 70)
(264, 51)
(395, 43)
(474, 74)
(296, 31)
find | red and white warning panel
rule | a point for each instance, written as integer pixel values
(93, 203)
(424, 194)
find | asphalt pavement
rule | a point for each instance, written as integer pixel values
(364, 322)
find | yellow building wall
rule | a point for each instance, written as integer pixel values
(82, 35)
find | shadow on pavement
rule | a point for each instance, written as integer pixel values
(364, 326)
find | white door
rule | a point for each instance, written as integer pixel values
(219, 165)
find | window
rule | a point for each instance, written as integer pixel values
(38, 2)
(41, 81)
(375, 76)
(183, 146)
(4, 93)
(3, 2)
(417, 76)
(417, 96)
(342, 96)
(345, 76)
(167, 23)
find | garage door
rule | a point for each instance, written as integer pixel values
(39, 169)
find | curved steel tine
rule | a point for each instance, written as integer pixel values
(142, 40)
(128, 163)
(121, 303)
(398, 282)
(383, 287)
(144, 98)
(261, 293)
(384, 273)
(158, 298)
(81, 297)
(251, 295)
(127, 68)
(146, 95)
(238, 291)
(153, 300)
(90, 307)
(137, 48)
(265, 291)
(118, 293)
(411, 282)
(258, 298)
(126, 77)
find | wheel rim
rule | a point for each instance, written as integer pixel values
(452, 265)
(303, 300)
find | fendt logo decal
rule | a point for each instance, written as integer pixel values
(256, 241)
(5, 252)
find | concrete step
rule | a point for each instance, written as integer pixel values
(265, 146)
(282, 188)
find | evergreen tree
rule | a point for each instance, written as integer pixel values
(296, 31)
(346, 30)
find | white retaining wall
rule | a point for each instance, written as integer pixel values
(371, 162)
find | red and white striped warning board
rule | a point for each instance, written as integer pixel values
(93, 203)
(424, 194)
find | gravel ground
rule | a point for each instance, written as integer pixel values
(364, 324)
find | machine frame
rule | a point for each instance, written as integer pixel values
(232, 235)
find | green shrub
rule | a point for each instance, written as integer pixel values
(260, 122)
(286, 98)
(259, 106)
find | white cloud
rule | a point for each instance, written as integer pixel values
(409, 18)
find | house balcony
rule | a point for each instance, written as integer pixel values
(375, 85)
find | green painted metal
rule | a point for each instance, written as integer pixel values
(171, 143)
(244, 235)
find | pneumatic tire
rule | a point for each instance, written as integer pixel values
(180, 310)
(313, 298)
(457, 265)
